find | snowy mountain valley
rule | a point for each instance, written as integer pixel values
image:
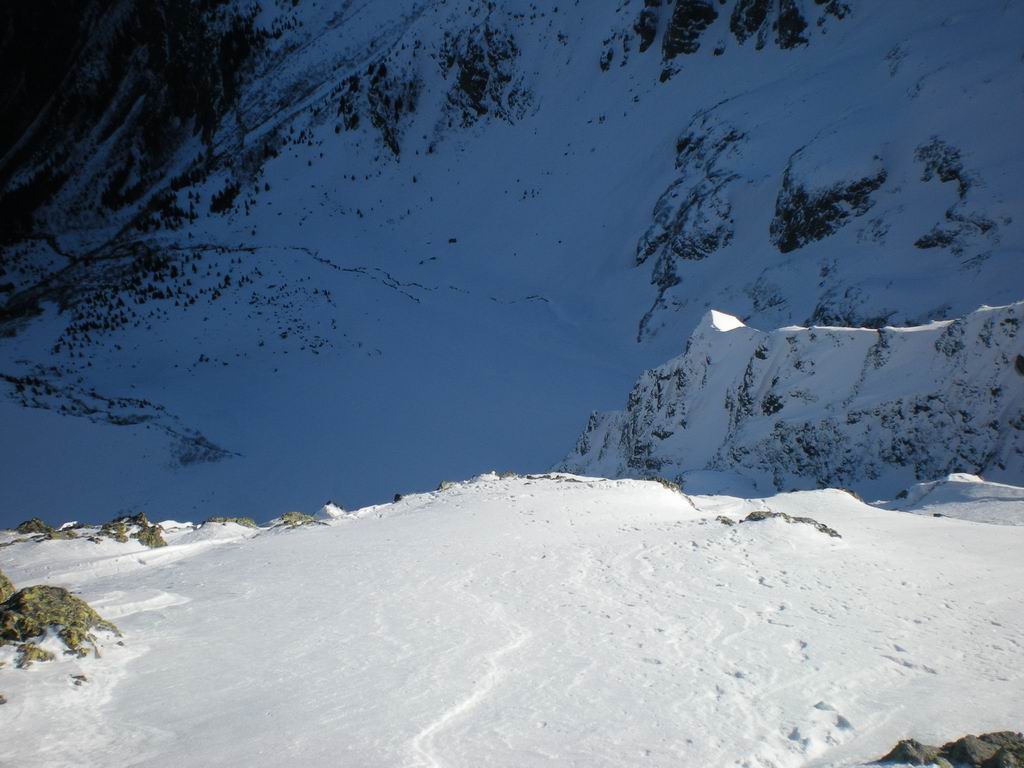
(256, 256)
(405, 258)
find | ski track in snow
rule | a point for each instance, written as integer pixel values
(424, 745)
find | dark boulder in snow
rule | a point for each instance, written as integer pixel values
(1002, 749)
(764, 514)
(911, 752)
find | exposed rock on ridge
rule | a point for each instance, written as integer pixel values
(804, 407)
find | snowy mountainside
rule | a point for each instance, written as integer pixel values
(521, 621)
(873, 410)
(369, 225)
(964, 496)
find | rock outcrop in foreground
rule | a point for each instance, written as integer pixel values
(1002, 749)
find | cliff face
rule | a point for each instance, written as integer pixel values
(798, 407)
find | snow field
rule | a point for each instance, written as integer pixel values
(545, 621)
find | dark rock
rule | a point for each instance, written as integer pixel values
(35, 525)
(487, 81)
(764, 514)
(689, 20)
(771, 404)
(968, 749)
(803, 216)
(693, 217)
(835, 8)
(725, 520)
(937, 238)
(748, 17)
(646, 25)
(912, 752)
(473, 76)
(943, 160)
(6, 587)
(791, 25)
(1004, 758)
(1001, 749)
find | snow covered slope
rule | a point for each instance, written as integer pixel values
(819, 407)
(966, 497)
(532, 621)
(255, 256)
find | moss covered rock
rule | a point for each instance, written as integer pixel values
(35, 525)
(295, 519)
(28, 613)
(6, 587)
(29, 652)
(151, 535)
(116, 530)
(61, 534)
(121, 529)
(248, 522)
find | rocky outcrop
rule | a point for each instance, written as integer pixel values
(693, 217)
(134, 82)
(482, 64)
(292, 520)
(764, 514)
(790, 26)
(245, 522)
(1001, 749)
(6, 587)
(27, 615)
(748, 18)
(803, 214)
(138, 527)
(819, 407)
(688, 21)
(781, 20)
(961, 226)
(646, 25)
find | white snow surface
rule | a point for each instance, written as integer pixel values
(967, 497)
(518, 621)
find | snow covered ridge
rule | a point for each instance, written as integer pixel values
(875, 410)
(528, 621)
